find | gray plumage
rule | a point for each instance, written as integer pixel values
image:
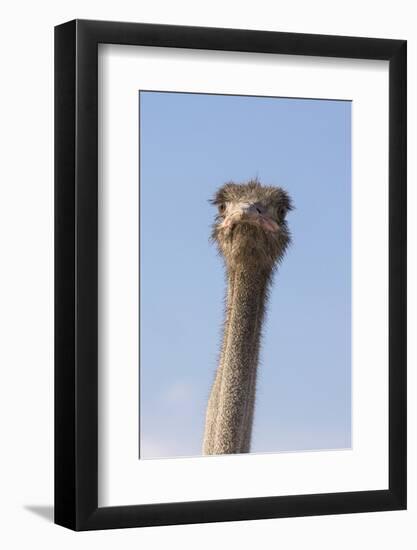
(251, 234)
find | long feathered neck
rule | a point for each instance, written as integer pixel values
(231, 405)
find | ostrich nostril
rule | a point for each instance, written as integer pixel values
(254, 208)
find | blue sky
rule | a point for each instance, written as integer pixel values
(190, 144)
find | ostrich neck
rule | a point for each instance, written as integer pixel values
(246, 304)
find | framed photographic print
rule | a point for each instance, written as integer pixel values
(230, 253)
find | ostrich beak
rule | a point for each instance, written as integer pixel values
(250, 212)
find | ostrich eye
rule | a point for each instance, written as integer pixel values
(222, 208)
(281, 212)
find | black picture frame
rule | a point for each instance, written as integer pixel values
(76, 272)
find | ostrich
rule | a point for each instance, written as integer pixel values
(251, 234)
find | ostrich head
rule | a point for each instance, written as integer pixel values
(250, 227)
